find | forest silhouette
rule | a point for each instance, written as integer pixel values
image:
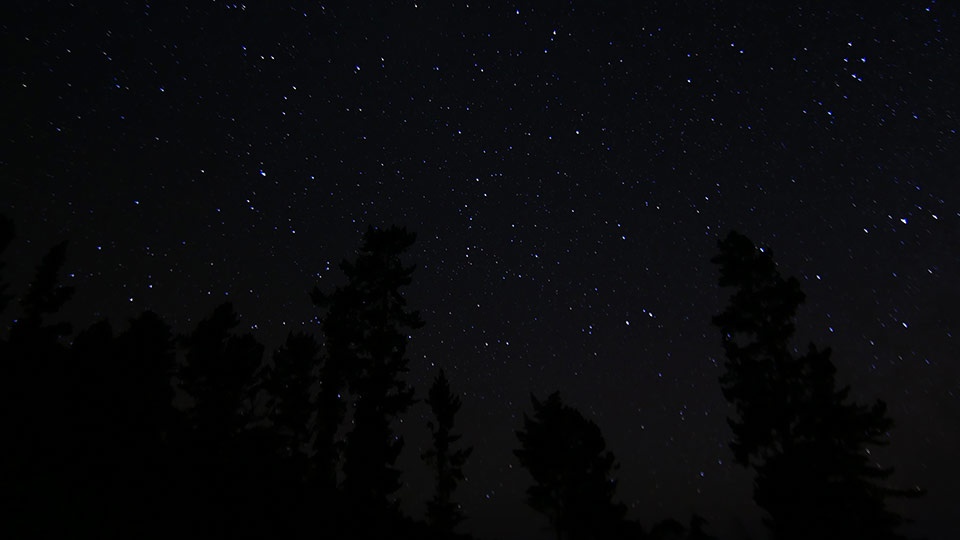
(300, 442)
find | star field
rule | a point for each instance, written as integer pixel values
(568, 170)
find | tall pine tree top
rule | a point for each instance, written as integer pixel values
(447, 462)
(365, 325)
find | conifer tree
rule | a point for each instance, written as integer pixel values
(572, 471)
(290, 383)
(218, 374)
(34, 390)
(6, 237)
(804, 437)
(365, 325)
(442, 513)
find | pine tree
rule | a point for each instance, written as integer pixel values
(571, 468)
(122, 416)
(218, 374)
(6, 237)
(34, 390)
(806, 440)
(442, 513)
(290, 382)
(273, 448)
(45, 296)
(365, 328)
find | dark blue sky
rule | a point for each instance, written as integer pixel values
(568, 169)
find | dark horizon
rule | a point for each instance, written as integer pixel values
(179, 397)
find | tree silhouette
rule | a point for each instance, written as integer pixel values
(87, 421)
(97, 446)
(34, 393)
(218, 374)
(45, 296)
(6, 237)
(804, 438)
(122, 418)
(442, 513)
(365, 326)
(668, 529)
(671, 529)
(279, 444)
(566, 455)
(696, 529)
(290, 385)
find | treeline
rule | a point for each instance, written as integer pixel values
(299, 442)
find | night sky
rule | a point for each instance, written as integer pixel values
(568, 169)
